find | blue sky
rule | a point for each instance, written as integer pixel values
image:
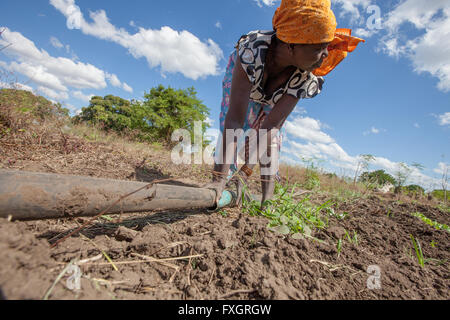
(390, 98)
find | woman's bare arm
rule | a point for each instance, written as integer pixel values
(239, 99)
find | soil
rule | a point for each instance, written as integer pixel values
(198, 254)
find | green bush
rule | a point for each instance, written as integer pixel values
(26, 102)
(379, 177)
(439, 194)
(162, 111)
(19, 109)
(414, 188)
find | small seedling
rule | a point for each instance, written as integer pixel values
(355, 238)
(418, 250)
(435, 224)
(348, 236)
(339, 247)
(223, 213)
(433, 244)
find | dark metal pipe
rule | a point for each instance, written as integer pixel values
(36, 196)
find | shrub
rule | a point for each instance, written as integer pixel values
(19, 109)
(380, 177)
(162, 111)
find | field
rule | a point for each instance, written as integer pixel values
(371, 246)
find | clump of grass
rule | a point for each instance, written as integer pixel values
(354, 239)
(418, 250)
(289, 216)
(435, 224)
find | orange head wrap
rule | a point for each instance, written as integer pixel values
(313, 22)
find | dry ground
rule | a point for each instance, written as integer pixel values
(197, 254)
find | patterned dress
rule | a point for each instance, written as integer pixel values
(252, 49)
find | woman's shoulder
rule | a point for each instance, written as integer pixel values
(257, 38)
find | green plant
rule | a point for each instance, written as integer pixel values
(403, 173)
(312, 180)
(363, 164)
(440, 194)
(223, 213)
(379, 177)
(355, 240)
(433, 244)
(390, 213)
(162, 111)
(288, 216)
(435, 224)
(418, 250)
(339, 247)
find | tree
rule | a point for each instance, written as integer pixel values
(415, 188)
(379, 177)
(168, 109)
(9, 44)
(403, 173)
(363, 164)
(155, 118)
(110, 112)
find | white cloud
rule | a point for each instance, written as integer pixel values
(320, 146)
(112, 78)
(56, 43)
(74, 110)
(81, 96)
(429, 52)
(52, 94)
(17, 86)
(268, 3)
(218, 25)
(442, 168)
(127, 88)
(171, 50)
(54, 75)
(363, 33)
(352, 8)
(373, 130)
(444, 119)
(308, 129)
